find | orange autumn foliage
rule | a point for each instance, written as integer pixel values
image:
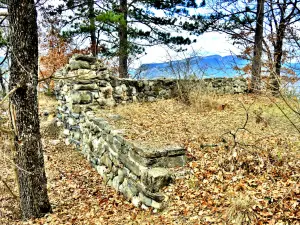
(57, 54)
(57, 51)
(56, 58)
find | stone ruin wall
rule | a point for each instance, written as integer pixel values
(86, 86)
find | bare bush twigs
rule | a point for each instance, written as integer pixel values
(234, 134)
(285, 115)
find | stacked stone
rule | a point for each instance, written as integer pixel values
(87, 81)
(130, 90)
(137, 173)
(226, 85)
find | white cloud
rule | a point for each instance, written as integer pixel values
(207, 44)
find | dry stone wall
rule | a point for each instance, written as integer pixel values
(84, 87)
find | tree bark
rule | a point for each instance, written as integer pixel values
(123, 41)
(275, 76)
(258, 40)
(2, 84)
(29, 158)
(94, 46)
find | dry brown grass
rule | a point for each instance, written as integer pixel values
(206, 102)
(244, 146)
(48, 103)
(172, 121)
(241, 211)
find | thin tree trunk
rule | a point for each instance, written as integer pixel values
(29, 158)
(275, 76)
(92, 27)
(256, 63)
(2, 84)
(123, 41)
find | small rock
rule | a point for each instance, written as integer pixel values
(144, 207)
(79, 64)
(67, 142)
(54, 142)
(156, 205)
(115, 117)
(151, 99)
(66, 132)
(136, 201)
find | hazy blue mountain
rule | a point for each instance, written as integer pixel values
(208, 66)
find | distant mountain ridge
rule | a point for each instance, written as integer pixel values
(208, 66)
(198, 66)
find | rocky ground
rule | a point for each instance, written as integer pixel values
(243, 168)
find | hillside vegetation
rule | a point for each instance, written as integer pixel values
(243, 164)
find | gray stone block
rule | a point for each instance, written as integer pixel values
(132, 165)
(87, 58)
(156, 153)
(156, 178)
(128, 190)
(101, 170)
(78, 64)
(121, 175)
(86, 87)
(105, 160)
(158, 205)
(159, 197)
(136, 201)
(82, 97)
(147, 201)
(116, 183)
(132, 186)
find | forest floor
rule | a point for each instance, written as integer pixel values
(244, 164)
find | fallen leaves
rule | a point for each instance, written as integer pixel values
(265, 172)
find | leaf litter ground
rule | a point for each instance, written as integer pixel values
(240, 171)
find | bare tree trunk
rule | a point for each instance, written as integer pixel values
(123, 41)
(256, 63)
(92, 27)
(24, 109)
(275, 76)
(2, 84)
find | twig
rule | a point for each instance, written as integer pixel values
(8, 188)
(18, 167)
(234, 134)
(286, 116)
(285, 101)
(9, 94)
